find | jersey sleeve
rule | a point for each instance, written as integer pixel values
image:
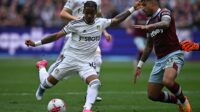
(69, 28)
(106, 23)
(165, 13)
(69, 4)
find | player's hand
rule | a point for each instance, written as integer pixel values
(142, 27)
(137, 74)
(188, 45)
(138, 5)
(108, 36)
(30, 43)
(129, 31)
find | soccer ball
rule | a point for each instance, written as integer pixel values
(56, 105)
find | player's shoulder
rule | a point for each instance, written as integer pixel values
(73, 2)
(78, 21)
(100, 19)
(165, 11)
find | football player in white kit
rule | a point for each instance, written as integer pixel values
(79, 52)
(73, 10)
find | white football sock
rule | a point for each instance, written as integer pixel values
(92, 92)
(46, 84)
(43, 74)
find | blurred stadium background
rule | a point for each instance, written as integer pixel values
(22, 19)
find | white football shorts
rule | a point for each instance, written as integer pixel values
(69, 65)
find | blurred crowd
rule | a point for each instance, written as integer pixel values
(46, 12)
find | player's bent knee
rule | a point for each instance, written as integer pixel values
(168, 83)
(52, 80)
(46, 84)
(96, 83)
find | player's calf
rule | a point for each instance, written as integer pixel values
(163, 97)
(92, 93)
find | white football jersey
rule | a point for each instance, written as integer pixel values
(85, 38)
(77, 6)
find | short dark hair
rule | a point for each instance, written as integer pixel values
(90, 4)
(156, 1)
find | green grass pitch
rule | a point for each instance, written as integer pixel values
(19, 80)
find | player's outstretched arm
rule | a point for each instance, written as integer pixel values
(50, 38)
(188, 45)
(122, 16)
(145, 55)
(163, 24)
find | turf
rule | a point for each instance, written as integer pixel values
(19, 80)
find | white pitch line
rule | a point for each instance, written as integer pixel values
(81, 93)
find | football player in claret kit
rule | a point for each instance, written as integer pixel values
(161, 35)
(80, 51)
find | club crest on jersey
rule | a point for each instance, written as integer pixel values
(98, 27)
(79, 10)
(156, 32)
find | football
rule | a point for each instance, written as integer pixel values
(56, 105)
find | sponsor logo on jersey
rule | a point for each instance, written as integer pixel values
(156, 32)
(97, 38)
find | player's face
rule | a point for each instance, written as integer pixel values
(148, 4)
(89, 14)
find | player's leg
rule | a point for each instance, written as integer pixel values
(169, 81)
(90, 76)
(155, 87)
(46, 80)
(175, 88)
(172, 68)
(49, 81)
(155, 93)
(98, 62)
(92, 92)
